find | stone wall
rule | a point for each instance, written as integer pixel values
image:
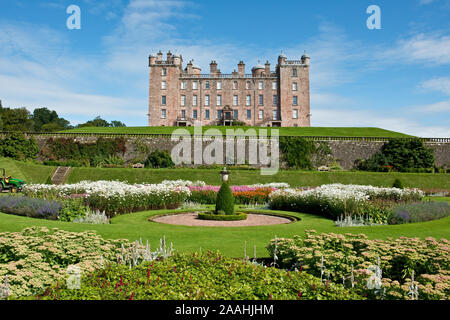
(345, 151)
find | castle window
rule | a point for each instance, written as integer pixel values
(195, 85)
(274, 85)
(163, 100)
(275, 100)
(183, 114)
(248, 100)
(249, 114)
(183, 100)
(163, 113)
(194, 114)
(235, 100)
(260, 114)
(194, 100)
(235, 114)
(295, 114)
(295, 100)
(248, 85)
(260, 85)
(219, 114)
(294, 72)
(235, 85)
(163, 85)
(164, 72)
(294, 86)
(207, 100)
(207, 85)
(183, 85)
(261, 100)
(219, 85)
(275, 114)
(206, 114)
(219, 100)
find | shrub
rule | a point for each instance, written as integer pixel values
(222, 216)
(419, 212)
(37, 257)
(405, 155)
(225, 199)
(17, 146)
(397, 259)
(297, 152)
(204, 276)
(30, 207)
(159, 159)
(397, 184)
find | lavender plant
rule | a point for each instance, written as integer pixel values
(419, 212)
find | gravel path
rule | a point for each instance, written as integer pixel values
(190, 219)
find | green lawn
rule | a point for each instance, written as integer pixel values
(241, 177)
(284, 131)
(230, 241)
(28, 172)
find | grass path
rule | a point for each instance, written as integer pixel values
(230, 241)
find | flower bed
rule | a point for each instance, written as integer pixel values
(207, 276)
(115, 197)
(37, 257)
(337, 200)
(336, 255)
(243, 194)
(419, 212)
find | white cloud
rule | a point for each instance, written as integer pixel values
(438, 84)
(438, 107)
(427, 49)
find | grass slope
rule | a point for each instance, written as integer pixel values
(228, 240)
(284, 131)
(241, 177)
(29, 172)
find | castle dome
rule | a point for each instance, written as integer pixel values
(305, 55)
(153, 55)
(258, 66)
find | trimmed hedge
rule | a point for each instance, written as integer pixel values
(225, 199)
(222, 217)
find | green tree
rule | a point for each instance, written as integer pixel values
(297, 152)
(17, 146)
(48, 120)
(18, 119)
(225, 200)
(96, 122)
(117, 124)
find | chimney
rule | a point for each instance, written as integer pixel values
(267, 65)
(189, 67)
(169, 56)
(213, 68)
(241, 68)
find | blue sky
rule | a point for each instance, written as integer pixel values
(396, 78)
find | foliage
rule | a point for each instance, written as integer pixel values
(297, 152)
(159, 159)
(93, 217)
(429, 259)
(37, 257)
(17, 146)
(419, 212)
(114, 197)
(222, 216)
(335, 200)
(46, 120)
(99, 122)
(225, 199)
(404, 155)
(30, 207)
(199, 276)
(18, 119)
(68, 149)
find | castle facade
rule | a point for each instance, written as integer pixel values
(270, 98)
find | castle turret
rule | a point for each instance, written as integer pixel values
(282, 59)
(169, 56)
(152, 59)
(177, 60)
(305, 59)
(258, 70)
(195, 69)
(160, 56)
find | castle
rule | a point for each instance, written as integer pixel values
(180, 97)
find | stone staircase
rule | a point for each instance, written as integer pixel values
(60, 175)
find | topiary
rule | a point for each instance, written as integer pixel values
(397, 184)
(225, 200)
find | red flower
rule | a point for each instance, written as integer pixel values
(299, 294)
(131, 297)
(148, 273)
(271, 298)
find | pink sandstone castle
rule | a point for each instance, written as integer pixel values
(179, 97)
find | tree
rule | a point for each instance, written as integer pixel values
(96, 122)
(18, 119)
(48, 120)
(117, 124)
